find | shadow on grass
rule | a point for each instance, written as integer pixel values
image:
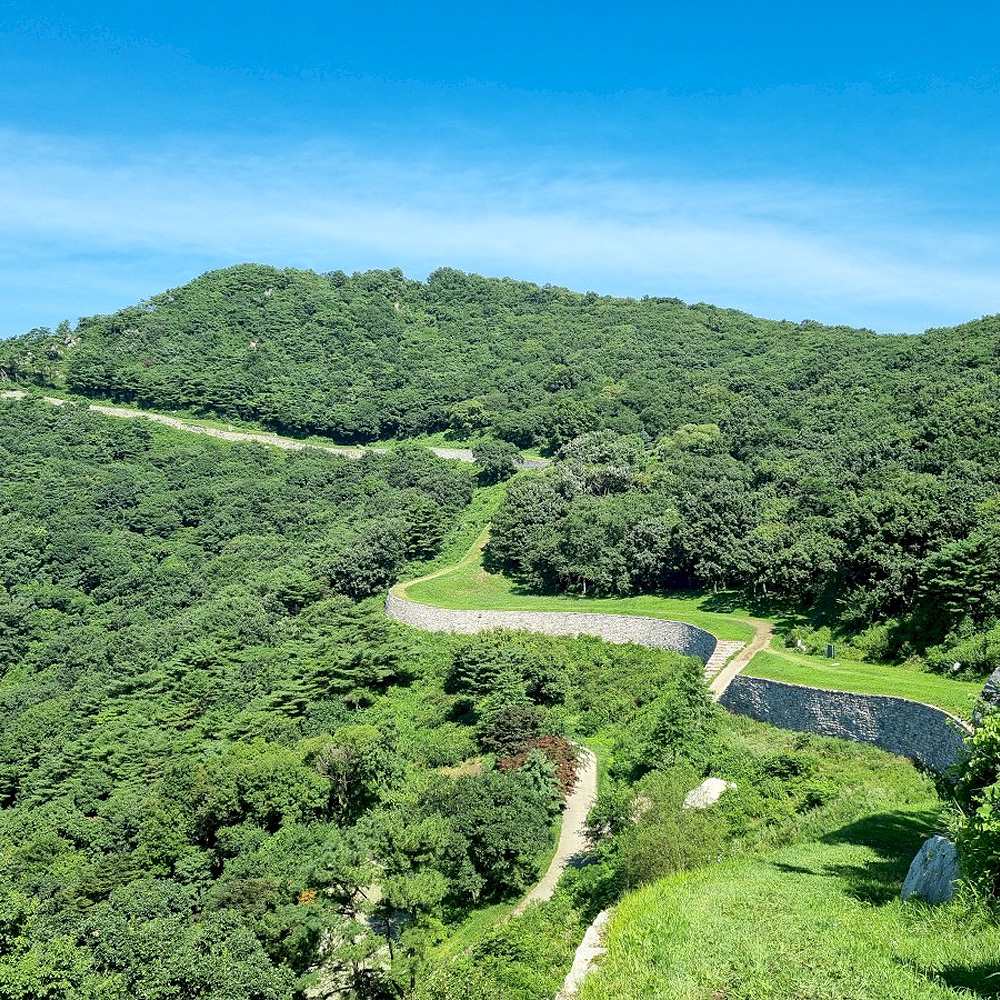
(979, 980)
(734, 603)
(728, 602)
(895, 837)
(798, 869)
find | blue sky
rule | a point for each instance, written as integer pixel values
(837, 162)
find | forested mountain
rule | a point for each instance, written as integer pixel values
(377, 355)
(835, 470)
(223, 772)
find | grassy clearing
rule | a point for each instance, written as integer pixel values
(469, 585)
(778, 664)
(808, 908)
(816, 920)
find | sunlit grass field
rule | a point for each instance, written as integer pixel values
(815, 920)
(955, 696)
(811, 910)
(468, 585)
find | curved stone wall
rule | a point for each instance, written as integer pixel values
(929, 735)
(655, 632)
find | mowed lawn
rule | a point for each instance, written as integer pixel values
(468, 586)
(955, 696)
(816, 921)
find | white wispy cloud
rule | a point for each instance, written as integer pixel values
(102, 225)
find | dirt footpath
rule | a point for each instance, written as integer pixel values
(763, 633)
(573, 835)
(274, 440)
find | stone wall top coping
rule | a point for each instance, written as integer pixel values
(400, 595)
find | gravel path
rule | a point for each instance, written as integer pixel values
(573, 839)
(261, 437)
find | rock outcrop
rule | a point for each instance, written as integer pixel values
(590, 950)
(989, 698)
(932, 872)
(707, 793)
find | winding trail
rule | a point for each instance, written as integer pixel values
(573, 840)
(260, 437)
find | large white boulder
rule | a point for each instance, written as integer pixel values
(707, 793)
(989, 698)
(932, 872)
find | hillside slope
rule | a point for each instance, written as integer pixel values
(375, 354)
(850, 475)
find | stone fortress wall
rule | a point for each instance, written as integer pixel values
(655, 632)
(911, 729)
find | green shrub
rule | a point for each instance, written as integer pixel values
(976, 654)
(877, 643)
(523, 959)
(663, 837)
(507, 720)
(977, 803)
(479, 662)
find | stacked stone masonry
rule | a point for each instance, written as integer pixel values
(655, 632)
(921, 732)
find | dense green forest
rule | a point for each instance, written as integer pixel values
(223, 772)
(904, 562)
(848, 474)
(376, 355)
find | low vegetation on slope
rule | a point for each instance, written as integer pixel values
(809, 905)
(787, 887)
(820, 919)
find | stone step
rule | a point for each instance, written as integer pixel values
(722, 653)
